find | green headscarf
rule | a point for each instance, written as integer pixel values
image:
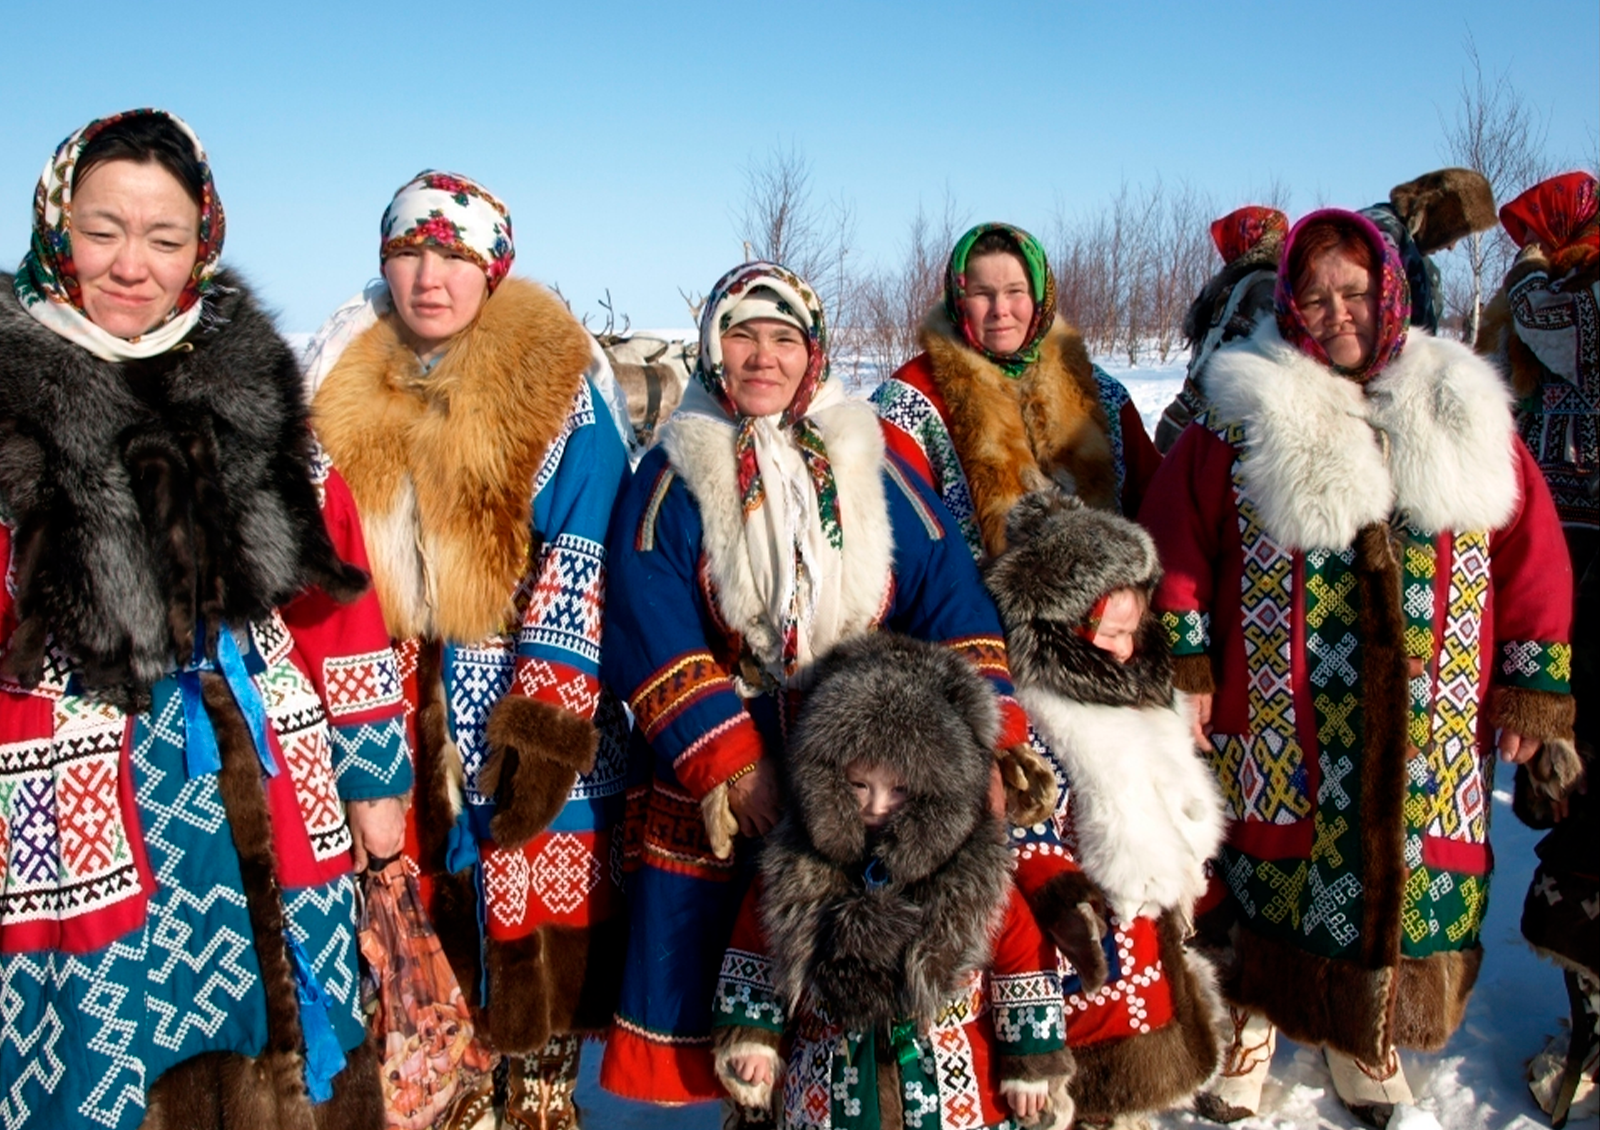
(1037, 265)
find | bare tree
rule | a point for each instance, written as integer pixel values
(781, 221)
(895, 300)
(1497, 133)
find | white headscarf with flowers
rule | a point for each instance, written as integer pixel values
(46, 283)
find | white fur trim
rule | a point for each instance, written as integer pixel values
(755, 1096)
(1448, 415)
(1429, 437)
(1019, 1087)
(1145, 808)
(700, 450)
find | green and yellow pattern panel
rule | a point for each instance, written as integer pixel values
(746, 995)
(1263, 772)
(1316, 903)
(1536, 665)
(1449, 776)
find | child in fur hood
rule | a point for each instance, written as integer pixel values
(1141, 812)
(884, 947)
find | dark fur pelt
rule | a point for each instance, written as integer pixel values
(1208, 306)
(148, 493)
(1064, 557)
(1443, 206)
(870, 956)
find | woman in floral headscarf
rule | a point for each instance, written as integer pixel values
(1364, 580)
(768, 525)
(485, 466)
(1004, 399)
(193, 676)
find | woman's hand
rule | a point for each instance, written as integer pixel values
(377, 829)
(1516, 749)
(753, 799)
(1200, 719)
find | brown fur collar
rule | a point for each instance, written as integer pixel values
(1018, 435)
(442, 465)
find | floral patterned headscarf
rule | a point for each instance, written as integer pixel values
(1040, 279)
(46, 284)
(1394, 296)
(1246, 228)
(803, 304)
(1560, 215)
(453, 212)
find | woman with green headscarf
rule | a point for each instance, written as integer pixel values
(1004, 400)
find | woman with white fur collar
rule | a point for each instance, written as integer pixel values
(767, 526)
(1364, 579)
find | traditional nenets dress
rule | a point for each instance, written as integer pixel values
(486, 481)
(985, 431)
(195, 679)
(892, 976)
(744, 548)
(1143, 815)
(1367, 571)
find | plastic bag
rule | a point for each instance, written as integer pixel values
(432, 1059)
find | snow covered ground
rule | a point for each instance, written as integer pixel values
(1474, 1084)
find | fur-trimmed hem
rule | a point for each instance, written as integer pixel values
(1361, 1012)
(739, 1040)
(1044, 1067)
(544, 984)
(536, 753)
(1192, 674)
(1540, 715)
(1163, 1068)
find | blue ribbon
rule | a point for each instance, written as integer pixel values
(324, 1056)
(200, 740)
(460, 845)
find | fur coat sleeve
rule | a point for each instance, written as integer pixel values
(346, 652)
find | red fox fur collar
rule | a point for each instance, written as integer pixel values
(1015, 435)
(442, 465)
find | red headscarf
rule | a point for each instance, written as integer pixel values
(1560, 215)
(1245, 228)
(1394, 296)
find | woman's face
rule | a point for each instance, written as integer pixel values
(135, 235)
(998, 304)
(762, 363)
(1339, 305)
(436, 292)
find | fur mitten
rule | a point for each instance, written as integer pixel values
(721, 824)
(1553, 775)
(739, 1040)
(1071, 910)
(1031, 787)
(536, 752)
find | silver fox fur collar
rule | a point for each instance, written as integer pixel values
(1430, 438)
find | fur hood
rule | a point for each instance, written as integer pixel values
(701, 451)
(1145, 809)
(442, 465)
(872, 952)
(1429, 438)
(1017, 435)
(145, 494)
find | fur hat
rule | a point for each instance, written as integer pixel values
(1443, 206)
(1062, 558)
(917, 709)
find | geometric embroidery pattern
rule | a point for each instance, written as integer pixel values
(1267, 762)
(564, 609)
(301, 728)
(361, 682)
(1461, 808)
(476, 678)
(1536, 666)
(913, 413)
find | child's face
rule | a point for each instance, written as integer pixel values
(1119, 624)
(879, 792)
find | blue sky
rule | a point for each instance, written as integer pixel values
(618, 134)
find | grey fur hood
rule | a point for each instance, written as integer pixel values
(145, 495)
(870, 950)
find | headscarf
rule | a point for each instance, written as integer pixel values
(1559, 214)
(1245, 228)
(453, 212)
(46, 284)
(1040, 280)
(786, 485)
(1394, 299)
